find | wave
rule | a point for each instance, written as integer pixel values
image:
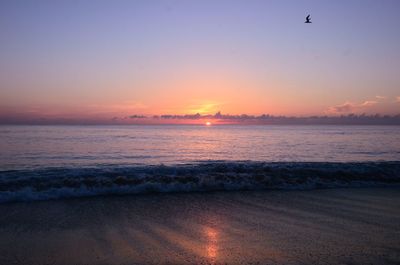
(55, 183)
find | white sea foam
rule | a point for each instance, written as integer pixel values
(54, 183)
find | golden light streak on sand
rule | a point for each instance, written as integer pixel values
(212, 243)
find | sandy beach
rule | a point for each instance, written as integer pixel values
(333, 226)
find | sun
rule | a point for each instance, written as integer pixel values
(208, 123)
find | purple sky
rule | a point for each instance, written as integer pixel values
(94, 60)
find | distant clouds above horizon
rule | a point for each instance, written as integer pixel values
(377, 103)
(202, 119)
(102, 61)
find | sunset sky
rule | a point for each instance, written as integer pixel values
(98, 60)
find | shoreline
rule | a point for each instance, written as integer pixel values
(325, 226)
(66, 182)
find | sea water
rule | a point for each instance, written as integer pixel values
(40, 162)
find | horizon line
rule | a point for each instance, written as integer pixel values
(216, 119)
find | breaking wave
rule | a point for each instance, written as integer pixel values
(54, 183)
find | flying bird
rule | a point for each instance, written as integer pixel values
(308, 19)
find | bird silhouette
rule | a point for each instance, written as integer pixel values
(308, 19)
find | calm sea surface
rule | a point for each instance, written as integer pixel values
(29, 147)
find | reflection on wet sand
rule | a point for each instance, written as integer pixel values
(212, 243)
(299, 227)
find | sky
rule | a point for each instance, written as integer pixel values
(102, 60)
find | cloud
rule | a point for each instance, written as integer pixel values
(380, 97)
(346, 107)
(205, 107)
(219, 118)
(137, 117)
(350, 107)
(398, 99)
(368, 103)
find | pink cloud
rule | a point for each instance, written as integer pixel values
(349, 107)
(346, 107)
(368, 103)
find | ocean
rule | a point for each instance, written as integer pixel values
(48, 162)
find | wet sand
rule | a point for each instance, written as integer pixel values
(337, 226)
